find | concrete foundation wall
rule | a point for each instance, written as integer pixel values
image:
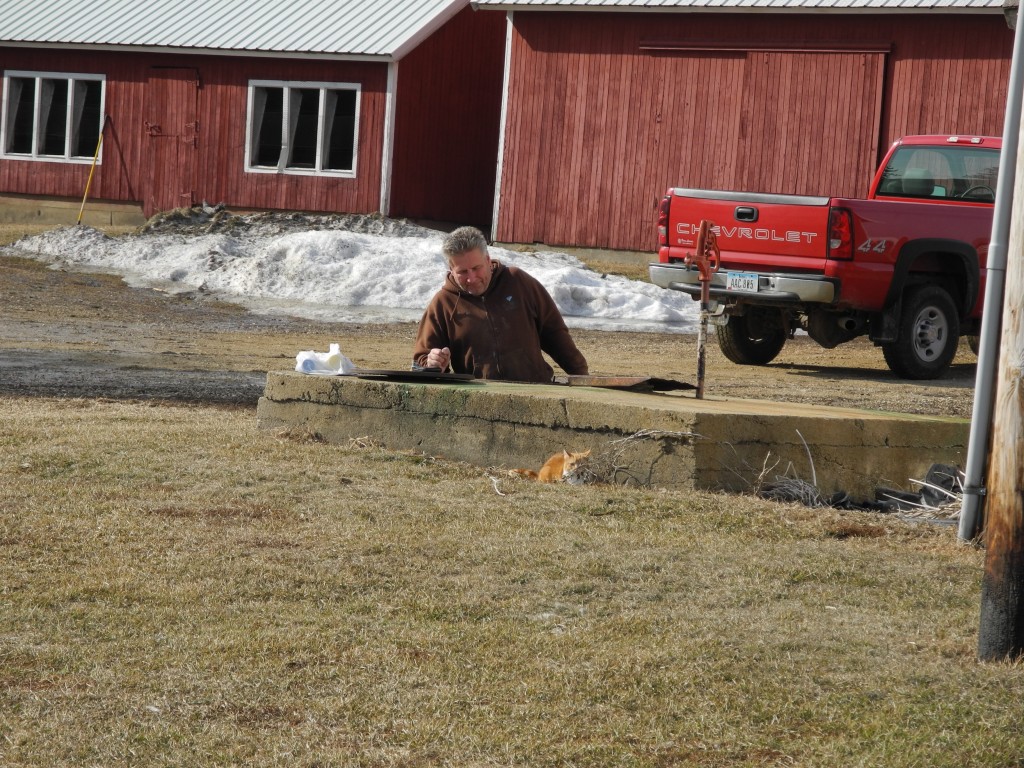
(23, 209)
(673, 441)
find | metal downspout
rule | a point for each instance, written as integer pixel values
(991, 321)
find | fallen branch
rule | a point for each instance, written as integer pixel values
(810, 459)
(494, 481)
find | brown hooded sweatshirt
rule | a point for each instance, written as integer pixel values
(500, 334)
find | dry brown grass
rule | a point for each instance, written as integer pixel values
(178, 588)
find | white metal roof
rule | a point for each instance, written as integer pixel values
(954, 6)
(386, 29)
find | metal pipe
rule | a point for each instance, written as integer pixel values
(705, 294)
(991, 322)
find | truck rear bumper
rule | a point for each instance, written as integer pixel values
(771, 286)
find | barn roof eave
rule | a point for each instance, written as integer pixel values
(180, 51)
(717, 6)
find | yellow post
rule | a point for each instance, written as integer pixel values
(92, 169)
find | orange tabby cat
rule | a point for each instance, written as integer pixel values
(556, 469)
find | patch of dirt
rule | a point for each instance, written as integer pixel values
(70, 334)
(206, 219)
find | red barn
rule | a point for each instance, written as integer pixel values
(609, 102)
(554, 121)
(345, 106)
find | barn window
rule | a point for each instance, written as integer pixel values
(302, 128)
(49, 116)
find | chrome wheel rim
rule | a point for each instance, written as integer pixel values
(931, 333)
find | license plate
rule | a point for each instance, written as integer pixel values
(741, 281)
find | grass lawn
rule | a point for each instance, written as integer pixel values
(179, 588)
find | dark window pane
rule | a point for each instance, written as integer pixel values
(21, 121)
(305, 107)
(341, 139)
(88, 120)
(53, 115)
(267, 126)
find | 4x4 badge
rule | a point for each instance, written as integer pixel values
(869, 245)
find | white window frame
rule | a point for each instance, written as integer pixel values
(70, 126)
(282, 164)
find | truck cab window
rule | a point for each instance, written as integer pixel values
(947, 172)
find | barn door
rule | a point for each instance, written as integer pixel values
(172, 131)
(810, 121)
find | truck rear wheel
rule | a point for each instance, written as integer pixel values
(750, 340)
(929, 331)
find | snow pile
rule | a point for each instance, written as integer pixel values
(338, 268)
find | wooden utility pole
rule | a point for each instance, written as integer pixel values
(1001, 629)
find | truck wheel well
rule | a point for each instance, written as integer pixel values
(950, 264)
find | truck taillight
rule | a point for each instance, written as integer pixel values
(666, 202)
(840, 234)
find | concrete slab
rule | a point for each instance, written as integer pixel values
(668, 440)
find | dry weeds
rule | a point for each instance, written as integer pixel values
(178, 588)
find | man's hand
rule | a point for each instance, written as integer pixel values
(438, 358)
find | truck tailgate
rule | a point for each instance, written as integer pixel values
(788, 232)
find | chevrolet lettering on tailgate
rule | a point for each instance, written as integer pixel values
(743, 233)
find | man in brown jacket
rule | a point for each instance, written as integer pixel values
(492, 321)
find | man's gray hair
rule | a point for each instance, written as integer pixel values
(463, 240)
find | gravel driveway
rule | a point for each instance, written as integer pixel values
(69, 334)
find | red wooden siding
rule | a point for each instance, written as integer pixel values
(223, 156)
(186, 161)
(170, 120)
(608, 110)
(802, 107)
(446, 125)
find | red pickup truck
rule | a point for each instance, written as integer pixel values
(906, 266)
